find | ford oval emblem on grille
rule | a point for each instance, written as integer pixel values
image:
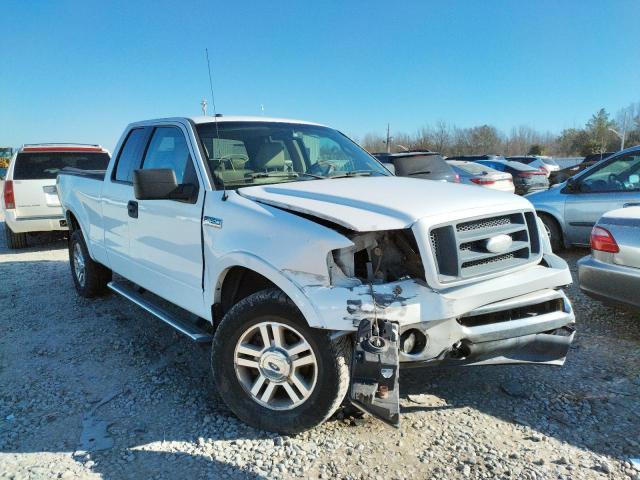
(498, 244)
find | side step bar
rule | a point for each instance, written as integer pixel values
(187, 328)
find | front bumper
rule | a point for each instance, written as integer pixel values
(533, 328)
(608, 282)
(446, 317)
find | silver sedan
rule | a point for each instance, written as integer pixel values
(612, 271)
(570, 210)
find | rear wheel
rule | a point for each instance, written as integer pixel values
(274, 371)
(14, 240)
(90, 278)
(554, 232)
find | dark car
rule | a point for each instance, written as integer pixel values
(422, 164)
(588, 161)
(526, 179)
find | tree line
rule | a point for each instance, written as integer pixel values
(595, 137)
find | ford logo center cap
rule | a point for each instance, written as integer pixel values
(498, 244)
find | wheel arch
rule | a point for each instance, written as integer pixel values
(258, 275)
(553, 216)
(74, 225)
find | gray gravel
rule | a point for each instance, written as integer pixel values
(100, 388)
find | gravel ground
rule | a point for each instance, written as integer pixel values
(100, 388)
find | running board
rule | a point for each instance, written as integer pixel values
(188, 329)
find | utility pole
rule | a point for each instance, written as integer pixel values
(203, 104)
(621, 136)
(388, 140)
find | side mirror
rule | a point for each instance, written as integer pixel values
(160, 184)
(572, 185)
(391, 167)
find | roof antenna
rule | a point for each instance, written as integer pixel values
(215, 122)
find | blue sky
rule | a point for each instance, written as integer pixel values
(81, 70)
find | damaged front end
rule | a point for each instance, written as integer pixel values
(518, 318)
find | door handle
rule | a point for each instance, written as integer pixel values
(132, 209)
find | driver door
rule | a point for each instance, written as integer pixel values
(613, 185)
(165, 235)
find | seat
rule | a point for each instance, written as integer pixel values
(270, 157)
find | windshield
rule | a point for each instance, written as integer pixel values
(520, 166)
(549, 161)
(256, 153)
(425, 164)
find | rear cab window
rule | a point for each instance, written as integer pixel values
(47, 165)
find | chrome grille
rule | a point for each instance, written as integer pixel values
(460, 248)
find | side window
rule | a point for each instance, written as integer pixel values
(168, 149)
(620, 175)
(129, 156)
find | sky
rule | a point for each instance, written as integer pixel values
(82, 70)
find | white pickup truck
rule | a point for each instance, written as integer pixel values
(318, 272)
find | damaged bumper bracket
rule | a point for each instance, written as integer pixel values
(374, 371)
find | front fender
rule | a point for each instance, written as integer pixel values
(290, 282)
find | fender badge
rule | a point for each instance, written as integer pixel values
(212, 221)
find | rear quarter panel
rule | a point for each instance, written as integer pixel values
(82, 197)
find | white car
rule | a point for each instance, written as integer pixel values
(544, 163)
(30, 201)
(320, 274)
(473, 173)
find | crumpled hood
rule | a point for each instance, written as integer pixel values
(379, 203)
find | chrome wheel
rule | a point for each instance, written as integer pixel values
(275, 365)
(78, 264)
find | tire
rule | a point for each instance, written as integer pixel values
(280, 413)
(90, 278)
(554, 232)
(14, 240)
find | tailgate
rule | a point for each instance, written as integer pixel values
(36, 198)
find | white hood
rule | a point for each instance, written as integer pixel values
(366, 204)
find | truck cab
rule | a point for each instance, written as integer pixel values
(316, 273)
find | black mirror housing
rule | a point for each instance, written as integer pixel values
(160, 184)
(571, 185)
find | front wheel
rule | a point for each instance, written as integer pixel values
(554, 232)
(274, 371)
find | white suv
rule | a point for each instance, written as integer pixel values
(30, 200)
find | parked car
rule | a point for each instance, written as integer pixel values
(476, 174)
(570, 210)
(429, 165)
(526, 179)
(3, 173)
(30, 200)
(544, 163)
(612, 272)
(319, 272)
(566, 173)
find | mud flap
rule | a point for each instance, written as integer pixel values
(374, 371)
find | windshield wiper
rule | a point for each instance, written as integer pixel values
(355, 173)
(271, 174)
(312, 175)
